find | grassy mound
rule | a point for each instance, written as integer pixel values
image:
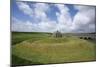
(55, 50)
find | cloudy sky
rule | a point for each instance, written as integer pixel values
(48, 17)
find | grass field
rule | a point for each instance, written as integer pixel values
(42, 48)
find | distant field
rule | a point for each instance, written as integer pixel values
(42, 48)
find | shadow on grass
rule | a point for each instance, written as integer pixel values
(17, 61)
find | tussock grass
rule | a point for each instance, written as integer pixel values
(55, 50)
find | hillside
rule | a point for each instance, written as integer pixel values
(44, 49)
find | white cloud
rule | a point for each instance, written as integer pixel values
(83, 21)
(47, 26)
(25, 8)
(21, 26)
(39, 11)
(63, 18)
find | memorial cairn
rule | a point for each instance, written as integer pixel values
(57, 34)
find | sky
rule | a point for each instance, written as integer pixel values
(49, 17)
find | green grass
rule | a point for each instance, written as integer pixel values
(18, 37)
(43, 49)
(19, 61)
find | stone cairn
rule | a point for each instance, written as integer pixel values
(57, 34)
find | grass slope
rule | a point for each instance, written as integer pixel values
(18, 37)
(42, 49)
